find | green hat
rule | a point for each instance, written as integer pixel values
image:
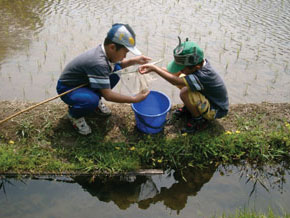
(185, 54)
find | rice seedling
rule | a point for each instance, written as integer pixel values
(238, 54)
(286, 68)
(64, 56)
(225, 33)
(179, 29)
(164, 49)
(271, 65)
(258, 53)
(39, 65)
(227, 65)
(47, 93)
(44, 57)
(27, 54)
(19, 67)
(9, 78)
(275, 77)
(246, 89)
(60, 64)
(275, 54)
(31, 77)
(24, 94)
(205, 47)
(52, 78)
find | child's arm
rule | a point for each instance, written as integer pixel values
(172, 78)
(175, 74)
(110, 95)
(135, 60)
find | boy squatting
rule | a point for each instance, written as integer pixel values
(202, 89)
(95, 68)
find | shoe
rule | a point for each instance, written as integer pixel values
(181, 112)
(195, 125)
(103, 109)
(80, 125)
(178, 114)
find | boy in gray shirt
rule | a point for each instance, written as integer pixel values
(202, 90)
(95, 68)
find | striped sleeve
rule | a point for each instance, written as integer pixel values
(99, 82)
(99, 78)
(193, 83)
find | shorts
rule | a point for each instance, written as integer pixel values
(206, 109)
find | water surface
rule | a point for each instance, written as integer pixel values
(247, 41)
(195, 193)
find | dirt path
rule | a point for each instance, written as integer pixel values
(122, 119)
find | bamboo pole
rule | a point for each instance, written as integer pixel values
(43, 102)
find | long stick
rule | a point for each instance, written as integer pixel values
(55, 97)
(43, 102)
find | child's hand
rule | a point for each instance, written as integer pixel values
(142, 59)
(146, 68)
(141, 95)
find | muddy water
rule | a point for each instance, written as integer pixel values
(205, 193)
(247, 41)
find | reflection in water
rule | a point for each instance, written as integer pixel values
(186, 193)
(266, 176)
(172, 188)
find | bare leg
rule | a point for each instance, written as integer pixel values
(184, 97)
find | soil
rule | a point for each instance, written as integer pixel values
(121, 123)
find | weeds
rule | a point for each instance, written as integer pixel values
(49, 146)
(253, 214)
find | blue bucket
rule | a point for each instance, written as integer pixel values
(150, 114)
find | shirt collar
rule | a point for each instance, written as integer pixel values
(112, 65)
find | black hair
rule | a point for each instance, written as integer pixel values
(109, 41)
(200, 63)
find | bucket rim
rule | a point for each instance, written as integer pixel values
(155, 115)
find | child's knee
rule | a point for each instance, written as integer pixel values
(183, 94)
(85, 100)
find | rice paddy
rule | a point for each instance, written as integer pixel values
(246, 41)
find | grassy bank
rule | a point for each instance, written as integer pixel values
(253, 214)
(43, 140)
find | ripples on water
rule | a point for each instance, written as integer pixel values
(247, 41)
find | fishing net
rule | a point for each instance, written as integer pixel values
(132, 82)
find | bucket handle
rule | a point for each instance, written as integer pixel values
(148, 125)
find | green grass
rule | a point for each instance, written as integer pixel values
(48, 144)
(253, 214)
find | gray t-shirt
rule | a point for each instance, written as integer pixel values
(91, 67)
(211, 85)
